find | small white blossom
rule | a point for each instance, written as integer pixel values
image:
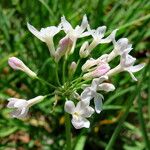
(120, 47)
(17, 64)
(21, 106)
(90, 92)
(79, 113)
(46, 35)
(76, 33)
(127, 62)
(98, 35)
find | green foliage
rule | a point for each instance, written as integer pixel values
(123, 124)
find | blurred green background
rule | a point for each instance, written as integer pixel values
(125, 121)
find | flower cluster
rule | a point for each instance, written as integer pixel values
(96, 72)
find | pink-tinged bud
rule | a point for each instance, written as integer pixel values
(17, 64)
(100, 70)
(72, 68)
(63, 48)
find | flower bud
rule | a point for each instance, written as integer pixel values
(107, 87)
(17, 64)
(63, 48)
(100, 70)
(83, 50)
(72, 68)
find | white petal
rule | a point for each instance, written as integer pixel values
(84, 34)
(101, 31)
(66, 25)
(86, 95)
(98, 102)
(136, 68)
(87, 112)
(11, 104)
(81, 106)
(69, 107)
(84, 23)
(122, 44)
(107, 87)
(110, 38)
(35, 32)
(16, 112)
(21, 103)
(80, 123)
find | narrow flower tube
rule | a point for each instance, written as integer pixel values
(21, 106)
(126, 64)
(17, 64)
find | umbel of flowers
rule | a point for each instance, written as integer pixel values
(80, 100)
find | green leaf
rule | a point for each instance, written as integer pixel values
(7, 131)
(81, 143)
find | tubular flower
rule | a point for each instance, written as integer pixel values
(79, 113)
(97, 35)
(17, 64)
(21, 106)
(120, 47)
(126, 64)
(91, 92)
(76, 33)
(46, 35)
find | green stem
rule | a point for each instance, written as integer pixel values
(45, 82)
(56, 72)
(68, 131)
(64, 67)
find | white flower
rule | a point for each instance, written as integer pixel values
(17, 64)
(90, 92)
(46, 35)
(127, 62)
(76, 33)
(21, 106)
(120, 47)
(79, 113)
(98, 35)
